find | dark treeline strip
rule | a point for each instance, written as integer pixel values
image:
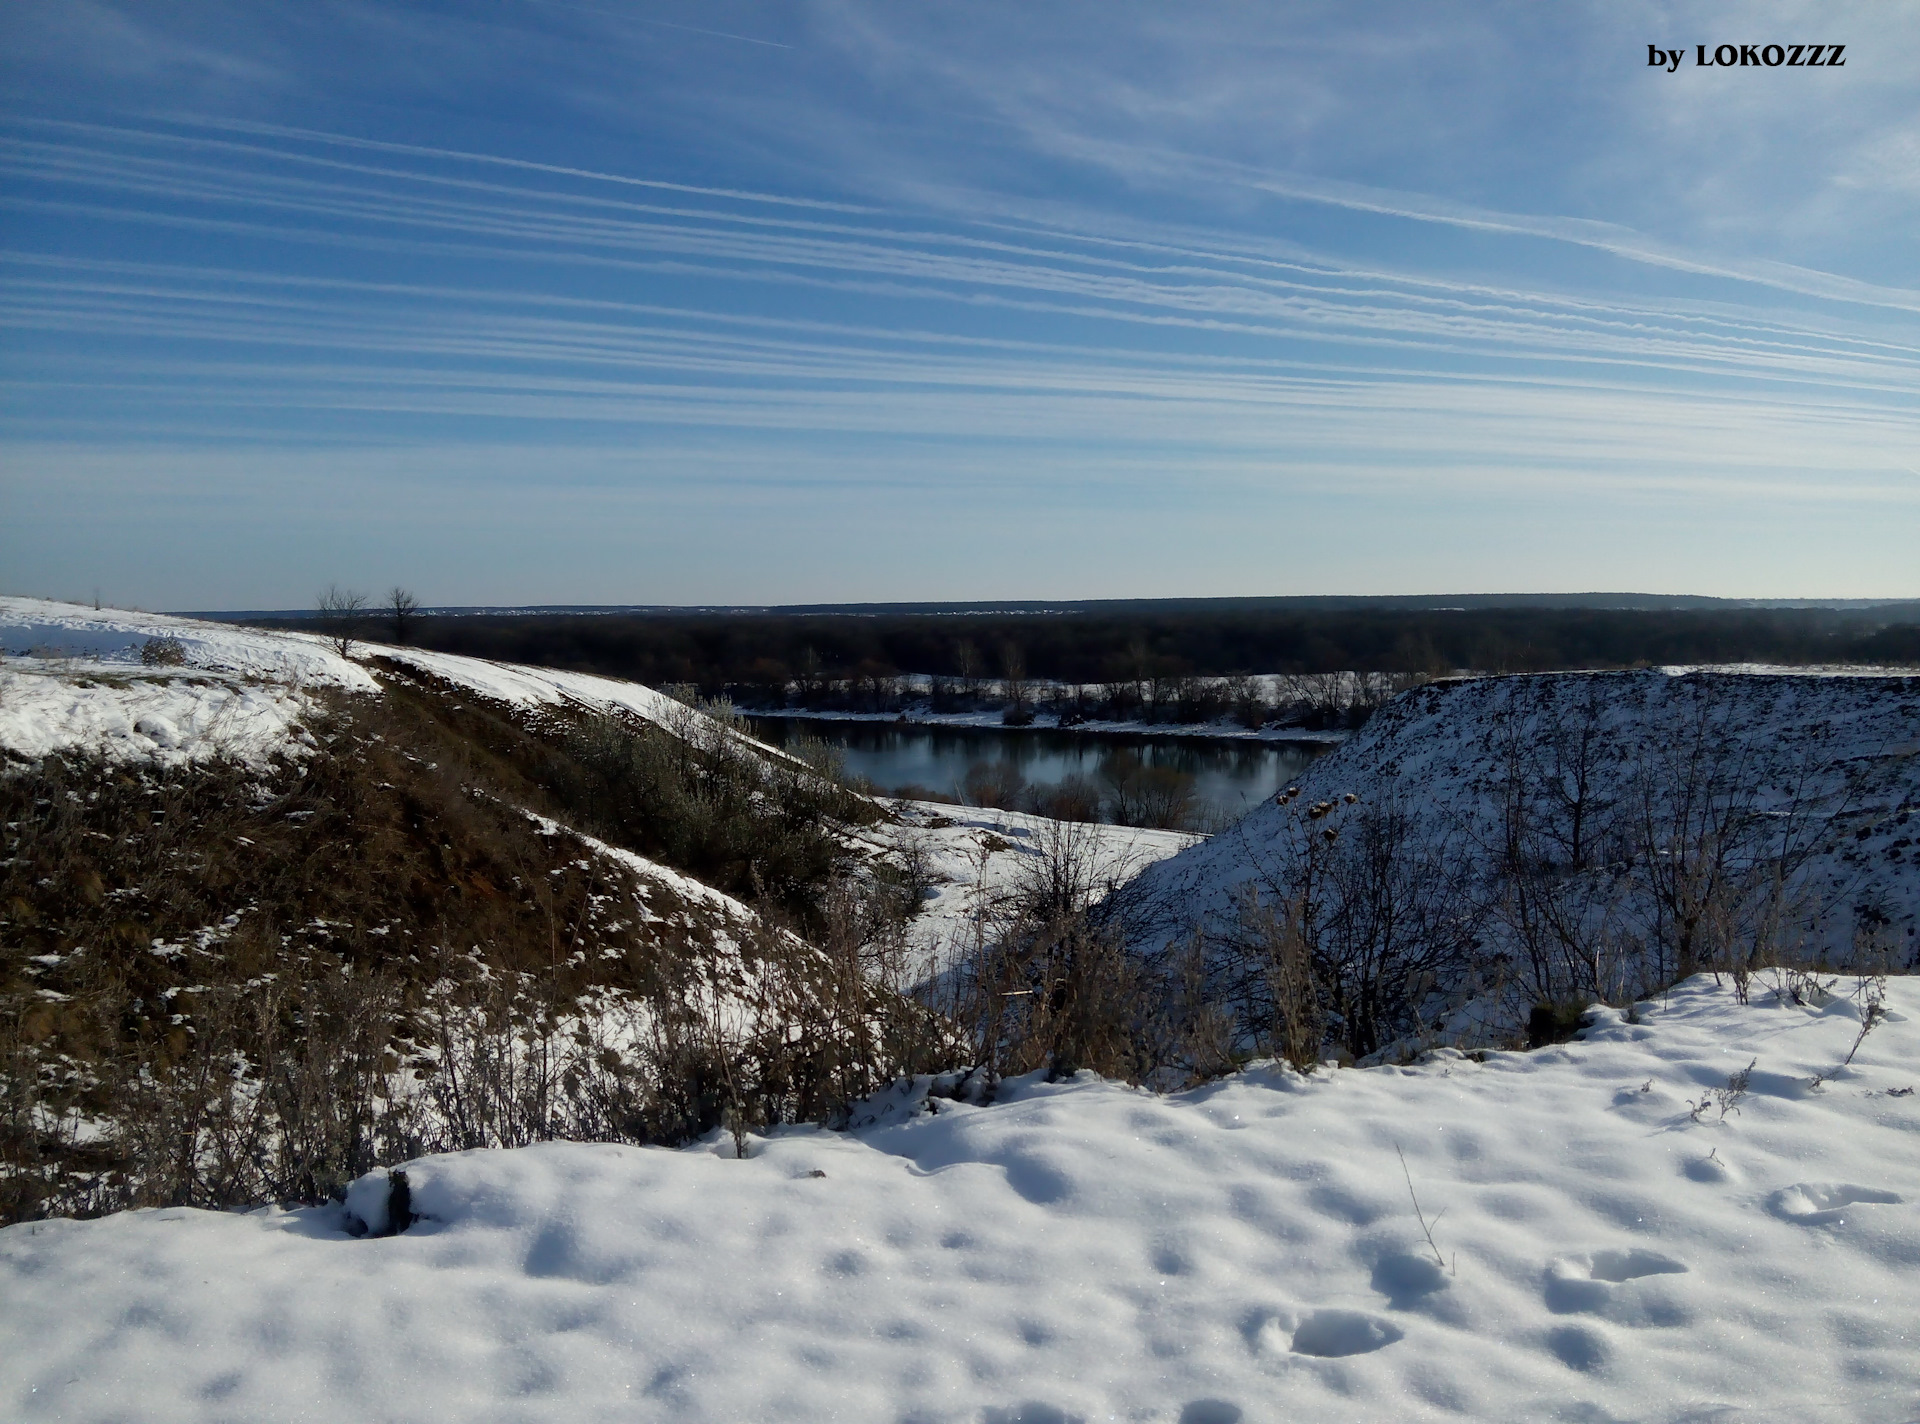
(753, 654)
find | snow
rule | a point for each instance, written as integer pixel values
(978, 859)
(1847, 746)
(529, 687)
(73, 678)
(114, 637)
(153, 718)
(1079, 1250)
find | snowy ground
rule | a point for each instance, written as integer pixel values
(73, 677)
(530, 687)
(978, 860)
(1245, 1252)
(114, 637)
(158, 715)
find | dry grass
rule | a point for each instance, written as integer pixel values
(221, 986)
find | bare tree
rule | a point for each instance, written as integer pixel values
(402, 608)
(1144, 795)
(1013, 662)
(1557, 905)
(342, 614)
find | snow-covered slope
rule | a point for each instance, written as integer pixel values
(530, 687)
(73, 676)
(1844, 750)
(1080, 1251)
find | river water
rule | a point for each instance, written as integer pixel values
(1229, 777)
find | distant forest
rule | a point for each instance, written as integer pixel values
(756, 655)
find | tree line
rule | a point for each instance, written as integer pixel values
(759, 658)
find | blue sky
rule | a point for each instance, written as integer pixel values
(529, 301)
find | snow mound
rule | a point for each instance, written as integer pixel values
(1078, 1250)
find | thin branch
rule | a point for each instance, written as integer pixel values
(1425, 1225)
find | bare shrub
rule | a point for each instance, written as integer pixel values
(164, 651)
(1727, 1099)
(1870, 993)
(998, 784)
(1558, 896)
(1140, 794)
(1274, 953)
(1072, 798)
(1714, 856)
(1051, 983)
(343, 616)
(1385, 920)
(702, 801)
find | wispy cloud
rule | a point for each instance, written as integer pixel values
(917, 254)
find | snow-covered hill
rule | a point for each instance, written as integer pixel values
(1078, 1251)
(1834, 760)
(74, 677)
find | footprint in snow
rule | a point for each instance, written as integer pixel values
(1711, 1168)
(1332, 1334)
(1328, 1334)
(1407, 1280)
(1579, 1348)
(1593, 1285)
(1824, 1203)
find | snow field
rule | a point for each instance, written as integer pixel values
(1248, 1251)
(114, 636)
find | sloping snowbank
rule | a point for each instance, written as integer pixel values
(1081, 1251)
(1844, 751)
(531, 687)
(73, 676)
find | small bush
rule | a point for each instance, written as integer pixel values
(166, 651)
(1554, 1023)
